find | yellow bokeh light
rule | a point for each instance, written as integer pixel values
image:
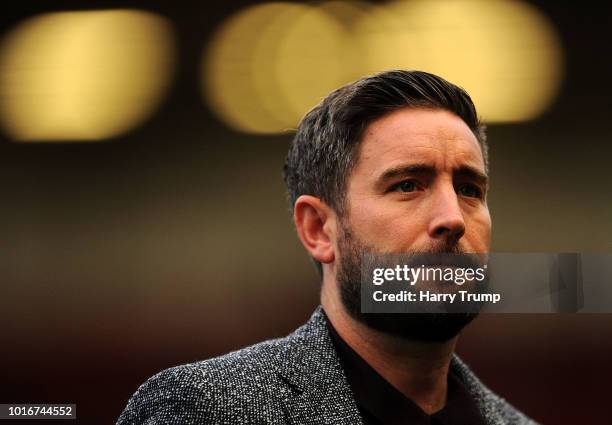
(269, 64)
(504, 53)
(314, 58)
(317, 55)
(83, 75)
(228, 75)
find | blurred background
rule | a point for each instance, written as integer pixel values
(144, 217)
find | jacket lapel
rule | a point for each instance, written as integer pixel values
(319, 392)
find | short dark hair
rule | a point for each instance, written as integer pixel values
(323, 151)
(325, 147)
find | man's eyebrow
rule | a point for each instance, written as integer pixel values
(472, 173)
(405, 170)
(465, 171)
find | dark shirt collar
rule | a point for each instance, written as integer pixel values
(381, 403)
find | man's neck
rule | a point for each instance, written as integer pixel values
(418, 370)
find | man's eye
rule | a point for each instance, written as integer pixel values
(405, 186)
(470, 191)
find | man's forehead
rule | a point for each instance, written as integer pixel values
(420, 135)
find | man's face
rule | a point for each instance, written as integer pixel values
(419, 185)
(419, 182)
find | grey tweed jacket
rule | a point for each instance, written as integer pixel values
(294, 380)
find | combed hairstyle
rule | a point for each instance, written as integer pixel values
(326, 146)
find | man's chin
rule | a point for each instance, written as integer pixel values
(421, 327)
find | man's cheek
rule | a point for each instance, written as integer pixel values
(478, 235)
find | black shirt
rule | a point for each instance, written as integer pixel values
(380, 403)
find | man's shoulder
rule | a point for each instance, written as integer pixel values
(246, 363)
(204, 390)
(249, 363)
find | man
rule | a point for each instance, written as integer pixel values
(392, 163)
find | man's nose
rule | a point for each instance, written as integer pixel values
(446, 216)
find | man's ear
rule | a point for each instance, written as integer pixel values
(315, 223)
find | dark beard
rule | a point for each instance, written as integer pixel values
(423, 327)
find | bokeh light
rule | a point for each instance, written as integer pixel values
(83, 75)
(504, 53)
(269, 64)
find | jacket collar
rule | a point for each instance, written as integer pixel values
(320, 393)
(309, 364)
